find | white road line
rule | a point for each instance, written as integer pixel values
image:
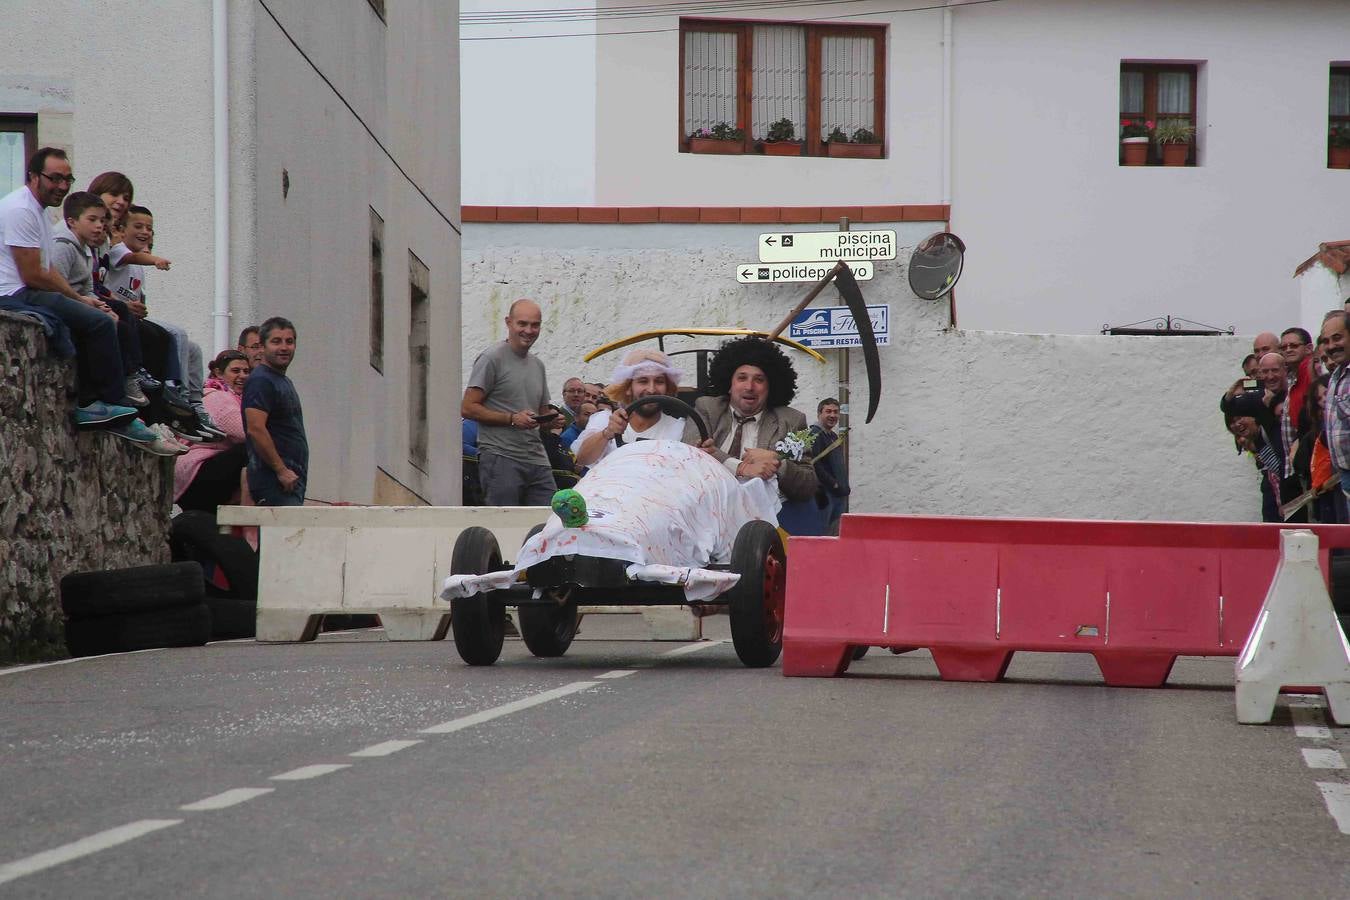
(225, 800)
(15, 670)
(618, 673)
(83, 847)
(506, 709)
(314, 771)
(1310, 722)
(1323, 759)
(1337, 797)
(384, 749)
(691, 648)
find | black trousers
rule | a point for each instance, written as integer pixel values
(216, 481)
(128, 335)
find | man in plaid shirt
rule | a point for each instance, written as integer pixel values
(1336, 335)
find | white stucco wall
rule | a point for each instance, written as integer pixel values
(138, 100)
(1066, 239)
(529, 110)
(1062, 238)
(970, 422)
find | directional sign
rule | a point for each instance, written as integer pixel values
(833, 326)
(810, 273)
(826, 246)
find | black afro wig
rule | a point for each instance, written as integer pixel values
(753, 351)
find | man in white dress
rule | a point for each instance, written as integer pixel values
(642, 373)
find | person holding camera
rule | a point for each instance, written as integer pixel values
(507, 395)
(1263, 399)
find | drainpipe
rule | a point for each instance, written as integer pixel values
(947, 105)
(220, 40)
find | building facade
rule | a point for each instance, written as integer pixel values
(999, 120)
(330, 196)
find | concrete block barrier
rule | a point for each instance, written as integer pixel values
(388, 561)
(974, 591)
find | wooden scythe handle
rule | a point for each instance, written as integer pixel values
(806, 301)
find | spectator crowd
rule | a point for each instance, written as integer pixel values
(1291, 413)
(139, 376)
(519, 447)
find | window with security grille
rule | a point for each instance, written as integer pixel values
(1338, 118)
(419, 359)
(794, 87)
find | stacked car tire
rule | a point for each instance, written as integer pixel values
(118, 610)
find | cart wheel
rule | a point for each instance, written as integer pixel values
(860, 651)
(478, 622)
(547, 630)
(757, 599)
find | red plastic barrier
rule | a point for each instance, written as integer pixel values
(974, 591)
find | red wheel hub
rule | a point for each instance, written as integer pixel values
(775, 587)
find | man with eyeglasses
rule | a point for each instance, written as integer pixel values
(29, 283)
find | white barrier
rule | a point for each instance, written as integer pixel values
(387, 561)
(1297, 639)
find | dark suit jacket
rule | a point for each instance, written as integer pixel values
(796, 480)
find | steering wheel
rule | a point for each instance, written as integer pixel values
(676, 407)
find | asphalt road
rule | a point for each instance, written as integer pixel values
(687, 776)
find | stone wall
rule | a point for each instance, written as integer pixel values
(69, 501)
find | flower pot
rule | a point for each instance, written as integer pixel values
(712, 145)
(1175, 154)
(1134, 151)
(853, 151)
(782, 148)
(1338, 157)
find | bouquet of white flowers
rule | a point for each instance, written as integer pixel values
(794, 445)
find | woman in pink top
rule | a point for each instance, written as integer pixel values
(208, 474)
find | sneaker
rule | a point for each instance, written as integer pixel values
(147, 381)
(133, 395)
(206, 425)
(139, 434)
(176, 399)
(103, 415)
(166, 434)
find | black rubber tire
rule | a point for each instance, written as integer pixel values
(756, 634)
(116, 592)
(860, 651)
(232, 617)
(194, 536)
(183, 626)
(547, 630)
(676, 407)
(478, 622)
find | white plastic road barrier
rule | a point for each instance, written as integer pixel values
(388, 561)
(1296, 640)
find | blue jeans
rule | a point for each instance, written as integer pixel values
(98, 354)
(273, 495)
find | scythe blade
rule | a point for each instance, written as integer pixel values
(848, 289)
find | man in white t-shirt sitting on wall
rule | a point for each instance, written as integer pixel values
(27, 247)
(642, 373)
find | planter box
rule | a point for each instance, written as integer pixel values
(711, 145)
(1338, 157)
(854, 151)
(783, 148)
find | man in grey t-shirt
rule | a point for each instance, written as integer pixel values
(506, 390)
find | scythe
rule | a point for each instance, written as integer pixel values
(843, 278)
